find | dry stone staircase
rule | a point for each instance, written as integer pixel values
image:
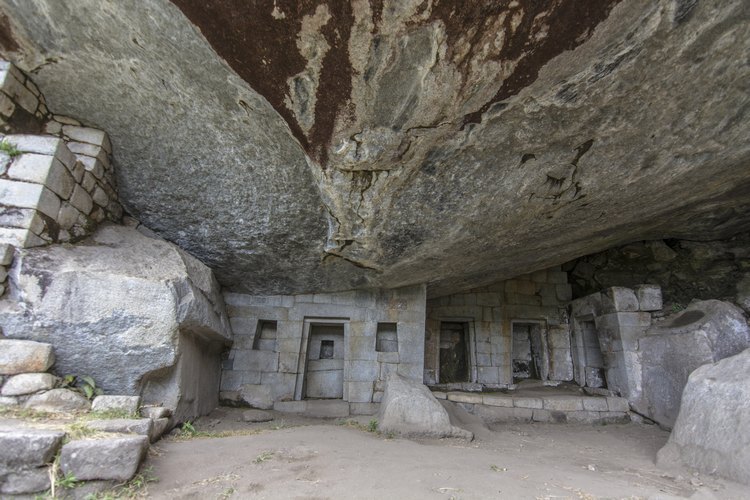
(34, 453)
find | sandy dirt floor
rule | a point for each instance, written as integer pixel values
(294, 457)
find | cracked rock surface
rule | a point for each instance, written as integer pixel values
(329, 145)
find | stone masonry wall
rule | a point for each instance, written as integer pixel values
(264, 367)
(540, 297)
(55, 187)
(685, 270)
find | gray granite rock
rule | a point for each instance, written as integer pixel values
(705, 332)
(155, 412)
(24, 356)
(126, 404)
(376, 161)
(28, 383)
(712, 431)
(28, 448)
(25, 481)
(58, 401)
(115, 459)
(409, 409)
(142, 426)
(163, 309)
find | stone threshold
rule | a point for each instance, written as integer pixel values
(326, 408)
(556, 408)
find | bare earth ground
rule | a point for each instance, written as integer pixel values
(294, 457)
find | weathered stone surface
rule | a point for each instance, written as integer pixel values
(365, 134)
(8, 401)
(142, 426)
(25, 481)
(28, 383)
(161, 425)
(409, 408)
(257, 396)
(24, 356)
(58, 401)
(151, 317)
(155, 412)
(114, 459)
(649, 297)
(25, 448)
(256, 416)
(705, 332)
(127, 404)
(712, 431)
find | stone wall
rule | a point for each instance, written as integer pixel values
(268, 360)
(490, 312)
(55, 187)
(620, 317)
(685, 270)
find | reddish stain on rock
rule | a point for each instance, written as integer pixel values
(567, 23)
(7, 41)
(262, 48)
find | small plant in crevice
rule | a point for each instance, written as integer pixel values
(187, 429)
(83, 384)
(372, 426)
(9, 148)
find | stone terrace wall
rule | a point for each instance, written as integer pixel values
(22, 107)
(52, 189)
(261, 371)
(538, 297)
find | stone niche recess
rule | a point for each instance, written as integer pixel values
(469, 339)
(339, 346)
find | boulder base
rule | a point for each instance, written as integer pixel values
(409, 409)
(712, 431)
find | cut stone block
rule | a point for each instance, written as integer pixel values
(85, 134)
(115, 459)
(43, 169)
(6, 254)
(81, 200)
(127, 404)
(155, 412)
(58, 401)
(504, 401)
(563, 403)
(622, 299)
(6, 401)
(595, 404)
(528, 403)
(25, 481)
(464, 397)
(28, 195)
(618, 404)
(28, 383)
(24, 356)
(327, 408)
(160, 427)
(28, 448)
(142, 426)
(649, 297)
(257, 396)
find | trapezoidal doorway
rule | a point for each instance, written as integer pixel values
(454, 352)
(324, 369)
(529, 351)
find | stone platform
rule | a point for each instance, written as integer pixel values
(544, 404)
(326, 408)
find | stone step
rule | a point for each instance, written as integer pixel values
(113, 459)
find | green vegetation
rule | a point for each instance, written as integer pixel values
(9, 148)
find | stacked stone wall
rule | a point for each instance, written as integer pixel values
(55, 187)
(263, 373)
(539, 297)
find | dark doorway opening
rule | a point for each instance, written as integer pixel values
(594, 369)
(454, 352)
(528, 351)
